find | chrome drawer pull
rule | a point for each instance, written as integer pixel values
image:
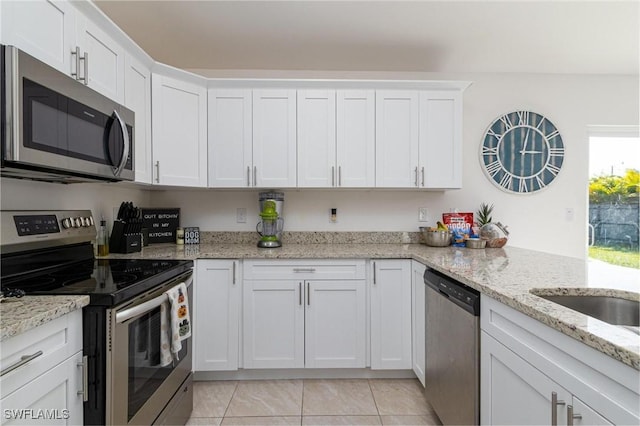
(85, 378)
(554, 408)
(302, 270)
(24, 359)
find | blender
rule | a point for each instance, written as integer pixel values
(278, 199)
(269, 226)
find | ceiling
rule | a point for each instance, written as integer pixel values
(540, 36)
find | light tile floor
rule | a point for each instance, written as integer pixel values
(312, 402)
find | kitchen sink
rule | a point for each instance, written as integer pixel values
(613, 310)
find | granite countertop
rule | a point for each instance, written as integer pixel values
(507, 275)
(18, 315)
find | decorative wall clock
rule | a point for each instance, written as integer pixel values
(522, 152)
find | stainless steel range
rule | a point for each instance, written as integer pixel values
(51, 253)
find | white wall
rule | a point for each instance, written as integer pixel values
(100, 198)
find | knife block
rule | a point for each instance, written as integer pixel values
(119, 242)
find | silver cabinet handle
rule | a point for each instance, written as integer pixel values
(248, 176)
(339, 175)
(333, 175)
(374, 273)
(85, 79)
(554, 408)
(157, 171)
(127, 145)
(24, 359)
(416, 175)
(76, 53)
(300, 295)
(308, 294)
(234, 274)
(85, 378)
(422, 171)
(571, 416)
(255, 175)
(302, 270)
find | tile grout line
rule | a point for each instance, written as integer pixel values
(235, 388)
(374, 399)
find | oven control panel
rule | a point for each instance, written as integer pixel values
(34, 229)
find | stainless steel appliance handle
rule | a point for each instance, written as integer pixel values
(127, 145)
(24, 359)
(85, 378)
(145, 307)
(571, 416)
(554, 408)
(157, 171)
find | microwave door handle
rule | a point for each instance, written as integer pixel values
(125, 152)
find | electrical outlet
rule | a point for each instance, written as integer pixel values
(423, 214)
(333, 215)
(241, 215)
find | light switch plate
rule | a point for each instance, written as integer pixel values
(423, 214)
(241, 215)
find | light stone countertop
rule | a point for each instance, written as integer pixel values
(18, 315)
(506, 274)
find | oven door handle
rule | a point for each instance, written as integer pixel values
(125, 151)
(147, 306)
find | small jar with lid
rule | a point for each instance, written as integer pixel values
(179, 236)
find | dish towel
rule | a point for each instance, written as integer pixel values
(165, 345)
(180, 317)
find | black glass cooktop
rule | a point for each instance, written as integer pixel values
(107, 281)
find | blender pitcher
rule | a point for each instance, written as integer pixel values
(269, 226)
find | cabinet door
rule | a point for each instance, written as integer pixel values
(440, 139)
(55, 393)
(104, 59)
(44, 29)
(335, 324)
(317, 138)
(513, 391)
(356, 140)
(274, 138)
(179, 132)
(418, 316)
(397, 139)
(391, 314)
(585, 415)
(217, 310)
(230, 144)
(137, 97)
(273, 324)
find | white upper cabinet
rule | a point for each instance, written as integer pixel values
(274, 138)
(230, 138)
(356, 139)
(101, 60)
(137, 97)
(317, 138)
(441, 139)
(43, 29)
(397, 127)
(179, 131)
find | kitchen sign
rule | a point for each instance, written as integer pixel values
(162, 224)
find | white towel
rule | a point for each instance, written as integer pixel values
(180, 318)
(165, 347)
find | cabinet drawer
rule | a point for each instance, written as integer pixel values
(57, 339)
(304, 269)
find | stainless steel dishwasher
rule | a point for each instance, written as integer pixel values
(452, 352)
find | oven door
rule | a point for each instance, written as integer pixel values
(138, 386)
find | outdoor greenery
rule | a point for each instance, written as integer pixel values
(615, 189)
(621, 256)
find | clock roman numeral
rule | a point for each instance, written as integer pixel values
(491, 132)
(489, 150)
(553, 169)
(506, 181)
(523, 117)
(522, 186)
(556, 152)
(553, 134)
(540, 123)
(540, 182)
(493, 168)
(507, 122)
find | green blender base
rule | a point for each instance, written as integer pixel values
(269, 242)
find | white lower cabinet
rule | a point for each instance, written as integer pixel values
(391, 314)
(217, 310)
(304, 314)
(48, 388)
(418, 319)
(533, 374)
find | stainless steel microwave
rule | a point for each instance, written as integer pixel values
(57, 129)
